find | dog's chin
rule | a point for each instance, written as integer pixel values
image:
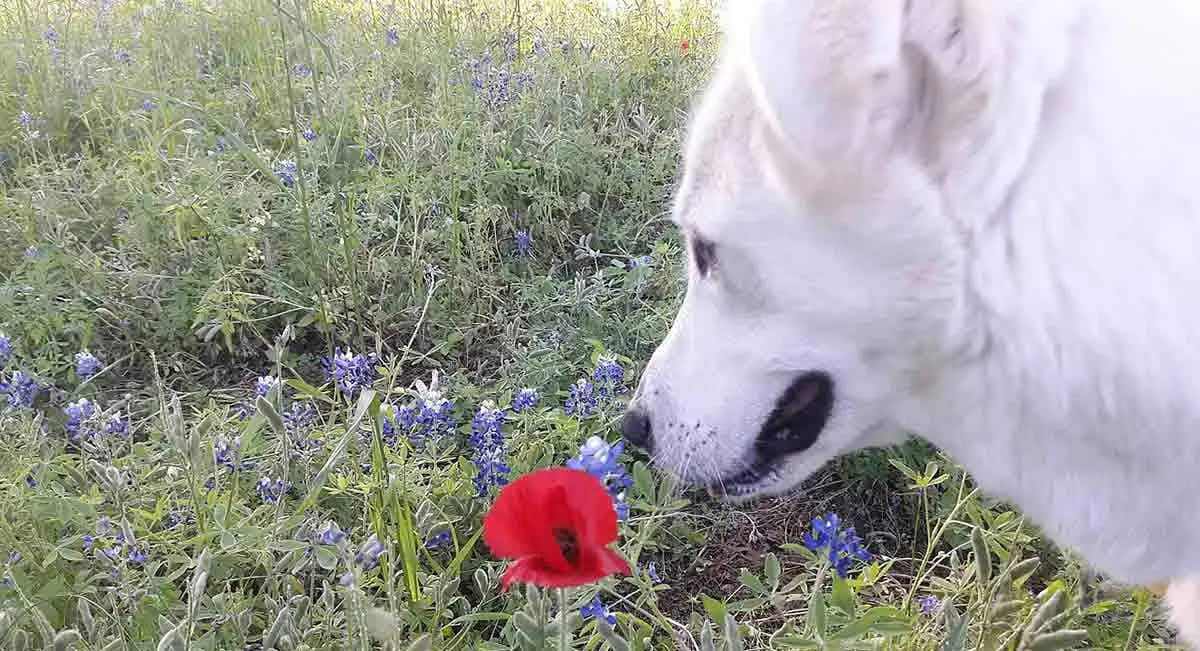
(762, 479)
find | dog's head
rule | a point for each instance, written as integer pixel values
(824, 273)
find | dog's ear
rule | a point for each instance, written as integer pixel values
(840, 78)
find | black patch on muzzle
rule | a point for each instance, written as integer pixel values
(800, 413)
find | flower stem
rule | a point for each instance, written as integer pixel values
(564, 640)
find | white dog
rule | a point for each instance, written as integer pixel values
(976, 220)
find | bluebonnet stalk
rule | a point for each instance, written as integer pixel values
(524, 242)
(640, 261)
(87, 364)
(271, 490)
(21, 389)
(308, 134)
(368, 555)
(32, 251)
(370, 156)
(51, 34)
(117, 425)
(137, 556)
(331, 534)
(393, 36)
(301, 70)
(439, 541)
(264, 384)
(351, 372)
(652, 572)
(842, 544)
(124, 57)
(929, 604)
(287, 171)
(6, 349)
(25, 119)
(582, 400)
(525, 399)
(609, 377)
(79, 413)
(148, 105)
(227, 454)
(487, 439)
(435, 416)
(596, 609)
(599, 459)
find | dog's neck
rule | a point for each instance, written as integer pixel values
(1080, 275)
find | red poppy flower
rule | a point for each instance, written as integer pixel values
(556, 523)
(685, 45)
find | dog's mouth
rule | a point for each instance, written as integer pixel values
(794, 425)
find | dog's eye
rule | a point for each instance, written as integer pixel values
(704, 254)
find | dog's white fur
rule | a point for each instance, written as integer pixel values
(981, 219)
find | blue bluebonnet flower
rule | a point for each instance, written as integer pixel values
(434, 418)
(842, 544)
(264, 384)
(21, 389)
(301, 70)
(525, 399)
(30, 481)
(221, 144)
(79, 413)
(539, 47)
(287, 171)
(599, 459)
(439, 541)
(487, 440)
(87, 364)
(14, 557)
(148, 105)
(331, 534)
(25, 119)
(103, 525)
(308, 134)
(351, 372)
(652, 572)
(582, 400)
(32, 251)
(510, 45)
(393, 36)
(51, 34)
(123, 56)
(929, 604)
(370, 156)
(596, 609)
(271, 490)
(226, 454)
(6, 349)
(297, 420)
(137, 555)
(89, 541)
(609, 377)
(117, 425)
(640, 261)
(524, 242)
(368, 555)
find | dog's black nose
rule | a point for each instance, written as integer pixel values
(636, 428)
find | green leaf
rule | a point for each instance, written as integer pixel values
(308, 390)
(772, 570)
(423, 643)
(716, 610)
(869, 623)
(733, 637)
(644, 481)
(335, 457)
(67, 553)
(753, 582)
(326, 558)
(908, 472)
(843, 597)
(269, 412)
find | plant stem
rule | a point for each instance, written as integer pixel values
(564, 640)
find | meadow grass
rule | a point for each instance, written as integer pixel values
(289, 289)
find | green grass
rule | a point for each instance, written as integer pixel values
(144, 218)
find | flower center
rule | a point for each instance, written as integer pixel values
(567, 543)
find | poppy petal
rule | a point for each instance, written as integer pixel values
(532, 570)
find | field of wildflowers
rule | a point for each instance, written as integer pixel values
(292, 291)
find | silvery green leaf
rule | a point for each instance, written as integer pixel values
(1058, 640)
(733, 637)
(1047, 611)
(382, 624)
(772, 570)
(983, 557)
(85, 616)
(66, 638)
(707, 643)
(268, 410)
(20, 640)
(614, 640)
(423, 643)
